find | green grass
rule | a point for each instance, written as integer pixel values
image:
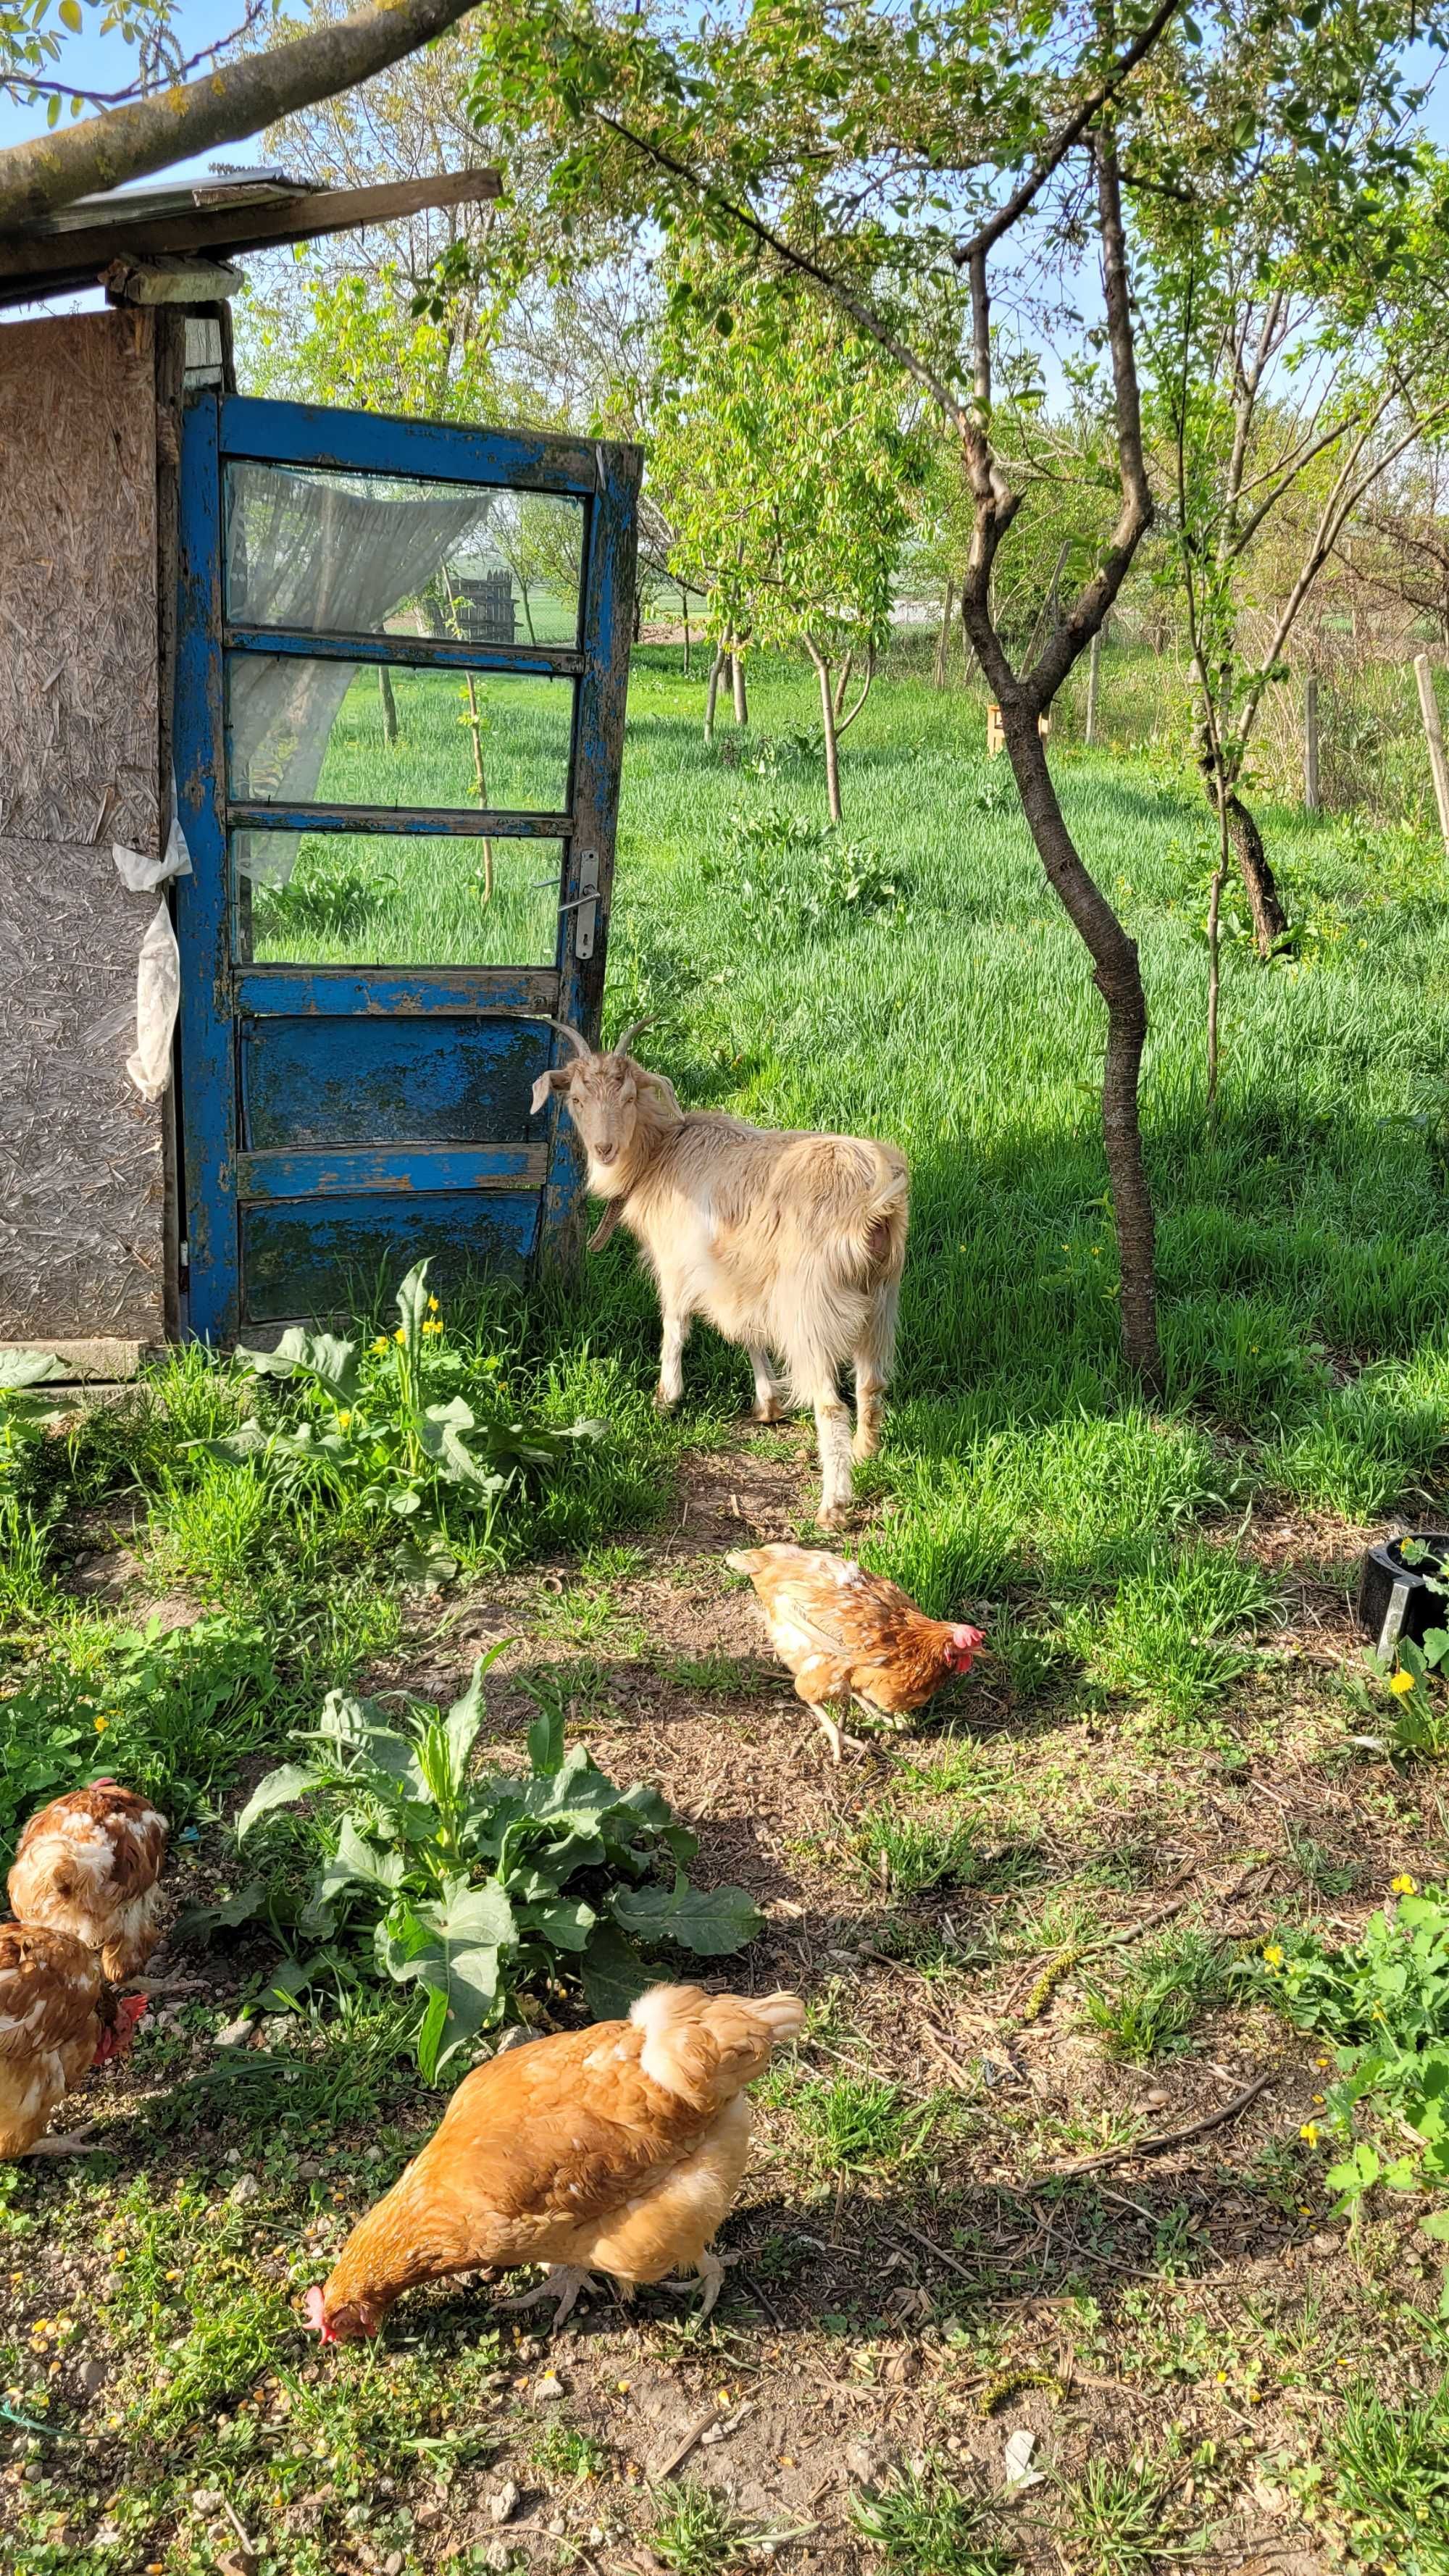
(1151, 2011)
(923, 2525)
(698, 2534)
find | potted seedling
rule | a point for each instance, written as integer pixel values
(1403, 1589)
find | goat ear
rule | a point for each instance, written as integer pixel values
(556, 1079)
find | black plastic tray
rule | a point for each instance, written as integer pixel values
(1394, 1601)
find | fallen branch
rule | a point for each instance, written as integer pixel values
(1158, 2145)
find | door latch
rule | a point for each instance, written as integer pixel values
(585, 904)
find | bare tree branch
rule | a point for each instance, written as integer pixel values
(238, 100)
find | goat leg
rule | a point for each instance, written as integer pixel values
(767, 1405)
(671, 1360)
(832, 1431)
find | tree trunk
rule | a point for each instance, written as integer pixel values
(827, 713)
(684, 604)
(1270, 921)
(943, 640)
(389, 703)
(1118, 978)
(737, 682)
(711, 695)
(227, 102)
(842, 684)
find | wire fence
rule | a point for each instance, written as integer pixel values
(1372, 756)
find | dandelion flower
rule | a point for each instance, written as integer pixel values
(401, 1334)
(344, 1421)
(1402, 1684)
(432, 1305)
(1403, 1885)
(381, 1342)
(101, 1725)
(1273, 1956)
(1309, 2131)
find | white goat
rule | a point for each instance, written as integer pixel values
(789, 1243)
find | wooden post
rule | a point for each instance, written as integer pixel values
(711, 695)
(944, 638)
(1094, 682)
(1310, 745)
(1434, 734)
(995, 738)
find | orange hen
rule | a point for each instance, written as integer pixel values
(846, 1634)
(88, 1864)
(57, 2018)
(618, 2148)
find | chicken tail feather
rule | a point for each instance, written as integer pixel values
(707, 2048)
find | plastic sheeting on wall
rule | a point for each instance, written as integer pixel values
(158, 968)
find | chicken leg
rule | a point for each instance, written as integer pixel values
(710, 2269)
(833, 1735)
(69, 2142)
(564, 2284)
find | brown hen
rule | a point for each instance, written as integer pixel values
(618, 2148)
(88, 1864)
(58, 2017)
(846, 1634)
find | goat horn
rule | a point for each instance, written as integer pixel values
(621, 1045)
(574, 1039)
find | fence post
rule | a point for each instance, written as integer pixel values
(1094, 682)
(1434, 735)
(1310, 745)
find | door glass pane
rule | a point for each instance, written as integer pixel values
(364, 554)
(303, 732)
(379, 899)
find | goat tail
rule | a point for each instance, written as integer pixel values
(875, 1235)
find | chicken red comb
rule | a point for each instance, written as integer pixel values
(315, 2310)
(972, 1639)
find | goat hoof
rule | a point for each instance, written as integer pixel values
(767, 1413)
(664, 1403)
(833, 1516)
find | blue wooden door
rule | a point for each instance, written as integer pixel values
(402, 658)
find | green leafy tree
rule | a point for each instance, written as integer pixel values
(1296, 349)
(784, 468)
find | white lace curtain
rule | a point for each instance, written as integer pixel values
(333, 557)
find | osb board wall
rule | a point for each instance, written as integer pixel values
(82, 1199)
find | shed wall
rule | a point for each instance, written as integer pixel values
(82, 1186)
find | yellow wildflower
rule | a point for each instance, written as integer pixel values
(432, 1305)
(381, 1342)
(401, 1334)
(101, 1725)
(1273, 1956)
(1309, 2131)
(431, 1327)
(1402, 1683)
(344, 1421)
(1403, 1885)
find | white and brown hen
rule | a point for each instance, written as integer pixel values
(846, 1634)
(89, 1864)
(58, 2018)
